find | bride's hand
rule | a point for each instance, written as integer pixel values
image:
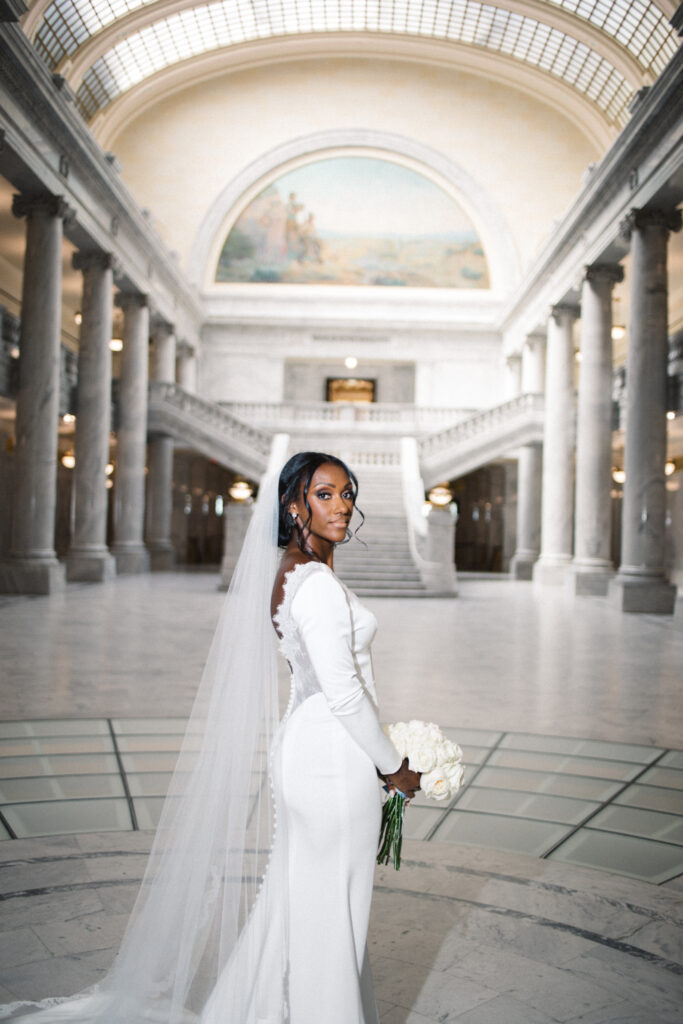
(405, 780)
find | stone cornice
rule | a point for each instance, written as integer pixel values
(637, 170)
(40, 127)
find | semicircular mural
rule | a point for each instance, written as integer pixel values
(354, 220)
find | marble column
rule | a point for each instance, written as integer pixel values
(160, 483)
(512, 381)
(592, 569)
(529, 469)
(89, 559)
(32, 566)
(557, 515)
(129, 485)
(641, 584)
(187, 367)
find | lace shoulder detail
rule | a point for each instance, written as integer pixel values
(283, 615)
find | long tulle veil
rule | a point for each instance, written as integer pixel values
(215, 837)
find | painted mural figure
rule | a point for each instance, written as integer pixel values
(312, 246)
(292, 228)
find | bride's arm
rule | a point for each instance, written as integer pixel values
(322, 614)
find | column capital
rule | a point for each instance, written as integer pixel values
(564, 309)
(127, 300)
(185, 349)
(636, 220)
(536, 340)
(161, 329)
(26, 203)
(609, 272)
(84, 260)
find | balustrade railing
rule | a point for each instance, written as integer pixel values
(210, 414)
(482, 422)
(390, 415)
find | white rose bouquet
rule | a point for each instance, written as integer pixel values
(439, 761)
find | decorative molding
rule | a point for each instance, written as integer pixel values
(565, 310)
(499, 245)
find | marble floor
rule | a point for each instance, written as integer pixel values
(550, 890)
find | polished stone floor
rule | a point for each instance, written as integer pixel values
(550, 890)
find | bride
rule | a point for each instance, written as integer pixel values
(255, 902)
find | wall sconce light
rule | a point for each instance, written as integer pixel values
(109, 484)
(78, 318)
(440, 496)
(68, 417)
(68, 460)
(240, 491)
(618, 475)
(670, 468)
(671, 415)
(618, 332)
(110, 468)
(116, 344)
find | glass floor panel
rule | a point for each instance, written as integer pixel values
(538, 761)
(528, 791)
(148, 783)
(474, 737)
(672, 759)
(60, 787)
(645, 859)
(474, 755)
(27, 746)
(420, 820)
(577, 786)
(652, 798)
(517, 835)
(55, 727)
(637, 822)
(584, 748)
(140, 743)
(65, 817)
(671, 778)
(526, 805)
(148, 810)
(58, 764)
(149, 762)
(149, 726)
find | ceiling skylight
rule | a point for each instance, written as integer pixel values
(636, 25)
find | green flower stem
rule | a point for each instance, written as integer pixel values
(391, 831)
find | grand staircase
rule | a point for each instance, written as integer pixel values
(383, 564)
(379, 562)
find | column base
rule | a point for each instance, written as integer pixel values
(588, 580)
(83, 566)
(133, 558)
(551, 571)
(25, 576)
(648, 594)
(161, 557)
(522, 565)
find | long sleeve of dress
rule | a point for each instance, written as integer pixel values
(323, 617)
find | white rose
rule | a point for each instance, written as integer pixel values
(435, 785)
(452, 751)
(455, 774)
(422, 758)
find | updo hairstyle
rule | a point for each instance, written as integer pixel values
(297, 471)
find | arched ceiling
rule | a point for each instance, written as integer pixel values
(603, 50)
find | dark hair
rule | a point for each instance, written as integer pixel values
(299, 471)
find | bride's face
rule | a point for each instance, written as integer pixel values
(330, 496)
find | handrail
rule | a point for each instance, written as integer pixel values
(398, 414)
(211, 414)
(480, 422)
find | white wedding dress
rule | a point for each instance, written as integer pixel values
(328, 803)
